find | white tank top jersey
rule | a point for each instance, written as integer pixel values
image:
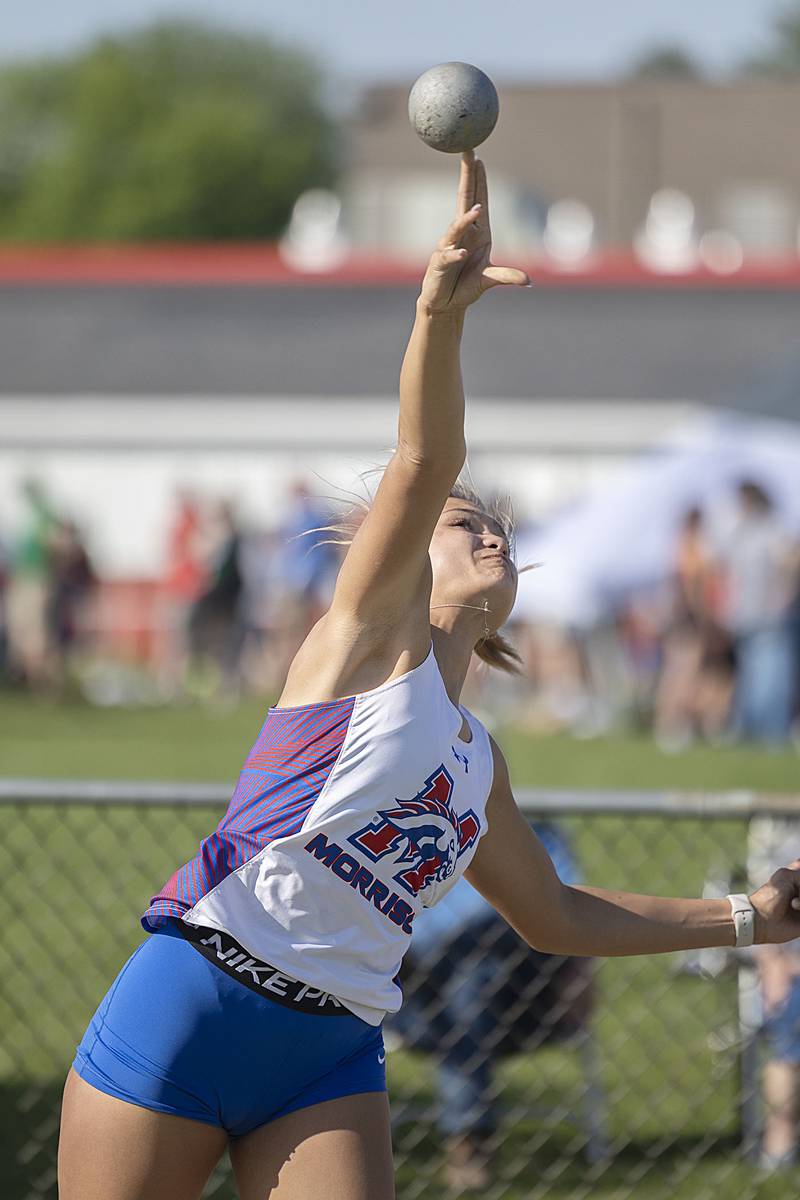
(349, 816)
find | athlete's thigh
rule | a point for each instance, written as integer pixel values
(112, 1150)
(340, 1149)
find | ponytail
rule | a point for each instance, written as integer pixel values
(497, 651)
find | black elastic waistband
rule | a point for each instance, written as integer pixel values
(226, 953)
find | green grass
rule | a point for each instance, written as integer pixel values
(195, 743)
(74, 881)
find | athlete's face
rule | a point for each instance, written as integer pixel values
(471, 562)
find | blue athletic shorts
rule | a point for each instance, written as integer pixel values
(783, 1027)
(177, 1034)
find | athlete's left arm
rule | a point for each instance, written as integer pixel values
(513, 871)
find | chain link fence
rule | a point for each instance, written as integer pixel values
(512, 1074)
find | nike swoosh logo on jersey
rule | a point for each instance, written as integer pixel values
(382, 1057)
(462, 758)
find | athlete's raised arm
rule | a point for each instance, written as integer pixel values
(386, 573)
(512, 870)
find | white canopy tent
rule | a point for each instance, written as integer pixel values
(620, 539)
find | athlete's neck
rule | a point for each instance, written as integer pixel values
(452, 649)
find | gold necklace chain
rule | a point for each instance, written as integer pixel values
(484, 608)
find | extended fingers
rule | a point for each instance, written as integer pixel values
(450, 255)
(466, 183)
(482, 189)
(459, 226)
(492, 276)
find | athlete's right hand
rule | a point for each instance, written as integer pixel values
(777, 906)
(460, 269)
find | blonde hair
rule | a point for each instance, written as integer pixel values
(494, 650)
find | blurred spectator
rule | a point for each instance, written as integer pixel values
(183, 581)
(779, 975)
(560, 694)
(760, 564)
(307, 567)
(714, 649)
(772, 843)
(216, 623)
(309, 561)
(72, 579)
(29, 646)
(695, 685)
(474, 992)
(257, 562)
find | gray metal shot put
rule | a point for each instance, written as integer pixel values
(453, 107)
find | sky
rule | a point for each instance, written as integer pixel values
(363, 41)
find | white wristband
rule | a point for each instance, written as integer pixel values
(744, 920)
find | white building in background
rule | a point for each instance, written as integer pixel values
(401, 212)
(114, 462)
(116, 396)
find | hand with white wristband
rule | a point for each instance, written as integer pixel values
(772, 914)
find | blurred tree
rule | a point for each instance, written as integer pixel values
(177, 132)
(784, 56)
(667, 62)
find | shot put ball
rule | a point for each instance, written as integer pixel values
(453, 107)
